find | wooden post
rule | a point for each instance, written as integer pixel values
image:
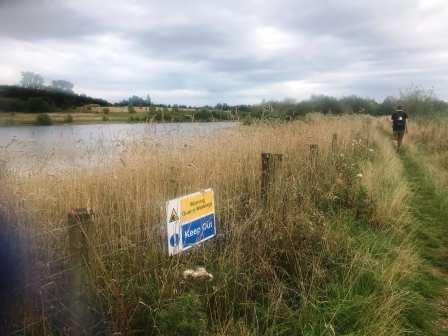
(270, 164)
(334, 143)
(79, 225)
(314, 153)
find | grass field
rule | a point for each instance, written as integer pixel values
(351, 242)
(114, 114)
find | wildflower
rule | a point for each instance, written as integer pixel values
(371, 150)
(359, 175)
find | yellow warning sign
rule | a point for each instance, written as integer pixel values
(197, 205)
(174, 217)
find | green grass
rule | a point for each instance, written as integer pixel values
(429, 205)
(430, 208)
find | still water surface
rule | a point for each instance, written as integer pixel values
(81, 145)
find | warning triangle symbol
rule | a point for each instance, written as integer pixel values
(174, 217)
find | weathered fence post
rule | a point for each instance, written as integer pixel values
(79, 227)
(334, 143)
(314, 152)
(270, 164)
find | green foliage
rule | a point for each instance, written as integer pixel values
(184, 316)
(68, 118)
(43, 120)
(56, 99)
(38, 105)
(136, 101)
(417, 101)
(430, 205)
(12, 104)
(422, 102)
(204, 115)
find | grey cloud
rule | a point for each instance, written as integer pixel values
(233, 50)
(43, 19)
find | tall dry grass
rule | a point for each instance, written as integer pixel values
(297, 266)
(430, 138)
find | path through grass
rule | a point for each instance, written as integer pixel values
(429, 205)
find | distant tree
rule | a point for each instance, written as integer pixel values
(31, 80)
(38, 104)
(420, 101)
(325, 104)
(62, 85)
(388, 105)
(134, 101)
(289, 101)
(148, 100)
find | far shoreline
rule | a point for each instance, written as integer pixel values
(14, 119)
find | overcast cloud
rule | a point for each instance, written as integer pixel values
(205, 52)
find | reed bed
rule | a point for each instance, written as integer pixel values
(321, 258)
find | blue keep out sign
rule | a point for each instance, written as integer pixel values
(190, 220)
(198, 230)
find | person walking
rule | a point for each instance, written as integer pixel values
(399, 125)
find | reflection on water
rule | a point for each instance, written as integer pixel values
(63, 146)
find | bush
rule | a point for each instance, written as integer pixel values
(44, 119)
(38, 104)
(68, 118)
(131, 109)
(204, 115)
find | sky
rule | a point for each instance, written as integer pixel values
(233, 51)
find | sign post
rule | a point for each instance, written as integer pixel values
(190, 220)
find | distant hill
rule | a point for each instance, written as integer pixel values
(19, 99)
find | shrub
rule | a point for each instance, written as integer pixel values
(131, 109)
(44, 119)
(38, 104)
(204, 115)
(68, 118)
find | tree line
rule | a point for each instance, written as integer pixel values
(32, 95)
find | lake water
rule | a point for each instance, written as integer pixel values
(81, 145)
